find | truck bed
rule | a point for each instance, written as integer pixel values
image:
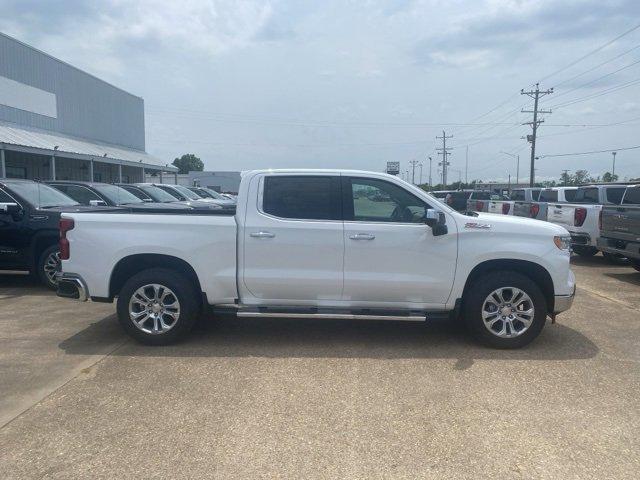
(98, 242)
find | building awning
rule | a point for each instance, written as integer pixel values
(44, 142)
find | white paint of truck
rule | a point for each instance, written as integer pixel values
(404, 266)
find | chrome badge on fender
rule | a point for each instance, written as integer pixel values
(481, 226)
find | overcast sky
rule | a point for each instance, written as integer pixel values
(353, 84)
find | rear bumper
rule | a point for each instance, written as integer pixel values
(72, 286)
(578, 238)
(623, 247)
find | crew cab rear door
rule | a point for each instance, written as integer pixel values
(391, 256)
(293, 245)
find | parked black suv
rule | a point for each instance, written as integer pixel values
(29, 216)
(96, 193)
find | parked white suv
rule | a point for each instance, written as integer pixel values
(322, 244)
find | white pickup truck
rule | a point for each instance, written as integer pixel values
(582, 217)
(321, 244)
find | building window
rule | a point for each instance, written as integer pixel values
(16, 172)
(97, 176)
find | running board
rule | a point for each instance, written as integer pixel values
(328, 314)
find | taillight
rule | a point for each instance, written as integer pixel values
(479, 206)
(535, 210)
(579, 216)
(505, 208)
(600, 220)
(66, 224)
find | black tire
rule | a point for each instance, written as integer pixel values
(636, 264)
(615, 258)
(184, 290)
(584, 250)
(478, 292)
(44, 267)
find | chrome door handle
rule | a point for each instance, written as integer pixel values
(262, 234)
(362, 236)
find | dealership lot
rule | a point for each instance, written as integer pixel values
(316, 399)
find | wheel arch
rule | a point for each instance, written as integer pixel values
(133, 264)
(536, 272)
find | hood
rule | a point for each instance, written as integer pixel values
(80, 208)
(509, 223)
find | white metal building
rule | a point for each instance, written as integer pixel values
(58, 122)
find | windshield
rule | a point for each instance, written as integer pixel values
(213, 193)
(117, 195)
(158, 194)
(186, 192)
(40, 195)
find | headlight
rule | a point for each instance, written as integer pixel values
(563, 242)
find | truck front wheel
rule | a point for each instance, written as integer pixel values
(158, 306)
(504, 309)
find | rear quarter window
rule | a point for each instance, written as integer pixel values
(548, 196)
(632, 196)
(517, 195)
(614, 195)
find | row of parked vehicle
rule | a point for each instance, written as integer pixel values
(30, 213)
(604, 217)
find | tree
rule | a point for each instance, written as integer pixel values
(188, 163)
(609, 177)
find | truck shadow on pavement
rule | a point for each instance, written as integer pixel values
(21, 285)
(287, 338)
(630, 276)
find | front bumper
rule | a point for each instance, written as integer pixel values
(72, 286)
(562, 303)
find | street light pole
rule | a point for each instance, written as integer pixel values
(430, 184)
(517, 157)
(420, 173)
(613, 170)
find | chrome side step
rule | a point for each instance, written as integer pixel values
(330, 316)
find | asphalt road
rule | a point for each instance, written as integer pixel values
(315, 399)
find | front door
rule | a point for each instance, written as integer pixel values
(293, 241)
(391, 256)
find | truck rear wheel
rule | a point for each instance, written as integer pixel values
(158, 306)
(584, 250)
(48, 266)
(504, 309)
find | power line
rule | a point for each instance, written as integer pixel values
(596, 95)
(596, 79)
(596, 67)
(591, 152)
(601, 47)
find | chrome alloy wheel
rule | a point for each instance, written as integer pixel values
(52, 267)
(508, 312)
(154, 309)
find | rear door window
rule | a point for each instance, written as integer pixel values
(587, 195)
(548, 196)
(570, 195)
(632, 196)
(517, 195)
(303, 197)
(482, 195)
(614, 194)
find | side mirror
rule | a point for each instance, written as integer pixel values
(437, 221)
(147, 200)
(11, 208)
(97, 203)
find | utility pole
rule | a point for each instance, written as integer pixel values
(613, 170)
(430, 184)
(413, 170)
(535, 94)
(466, 166)
(517, 157)
(420, 165)
(444, 151)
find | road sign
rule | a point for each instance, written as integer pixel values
(393, 168)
